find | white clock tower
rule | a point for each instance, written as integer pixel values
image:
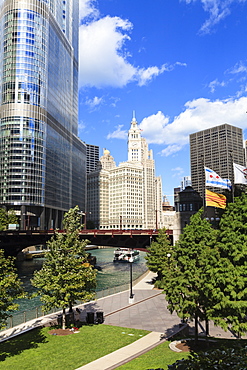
(134, 142)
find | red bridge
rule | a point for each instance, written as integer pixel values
(13, 241)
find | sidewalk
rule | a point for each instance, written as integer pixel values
(125, 354)
(118, 311)
(147, 310)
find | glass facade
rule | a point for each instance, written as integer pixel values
(42, 161)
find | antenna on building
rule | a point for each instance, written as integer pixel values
(134, 116)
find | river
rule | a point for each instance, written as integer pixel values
(109, 274)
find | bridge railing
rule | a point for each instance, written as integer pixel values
(27, 315)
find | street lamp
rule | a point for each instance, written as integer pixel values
(131, 291)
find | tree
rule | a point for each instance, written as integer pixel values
(66, 275)
(188, 273)
(10, 288)
(219, 359)
(7, 218)
(230, 292)
(157, 254)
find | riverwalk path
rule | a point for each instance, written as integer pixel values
(147, 310)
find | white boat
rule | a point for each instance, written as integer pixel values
(126, 255)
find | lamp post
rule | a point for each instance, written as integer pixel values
(85, 219)
(131, 288)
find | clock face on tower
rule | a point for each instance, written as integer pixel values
(134, 144)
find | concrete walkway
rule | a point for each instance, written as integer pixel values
(120, 310)
(125, 354)
(147, 310)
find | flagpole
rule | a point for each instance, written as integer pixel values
(203, 187)
(232, 176)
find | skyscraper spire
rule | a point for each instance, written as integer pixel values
(134, 117)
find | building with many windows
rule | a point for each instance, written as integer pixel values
(42, 160)
(186, 181)
(92, 157)
(217, 148)
(128, 196)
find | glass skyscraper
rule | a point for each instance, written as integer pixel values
(42, 160)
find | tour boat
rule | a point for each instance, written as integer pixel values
(126, 255)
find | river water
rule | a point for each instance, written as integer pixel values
(110, 274)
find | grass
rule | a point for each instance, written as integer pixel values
(161, 356)
(38, 349)
(158, 357)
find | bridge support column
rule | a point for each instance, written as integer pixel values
(49, 212)
(23, 218)
(56, 223)
(42, 219)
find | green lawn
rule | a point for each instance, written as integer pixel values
(38, 350)
(159, 357)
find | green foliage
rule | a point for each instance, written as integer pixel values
(220, 359)
(205, 277)
(10, 288)
(66, 276)
(7, 218)
(157, 256)
(190, 279)
(230, 273)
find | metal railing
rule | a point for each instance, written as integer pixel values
(36, 312)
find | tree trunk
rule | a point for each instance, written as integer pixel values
(207, 326)
(63, 319)
(196, 328)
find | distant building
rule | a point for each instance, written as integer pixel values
(186, 181)
(92, 157)
(216, 148)
(188, 203)
(176, 191)
(166, 204)
(128, 196)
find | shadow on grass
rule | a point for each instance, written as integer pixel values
(20, 343)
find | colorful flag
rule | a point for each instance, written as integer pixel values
(213, 179)
(240, 174)
(215, 199)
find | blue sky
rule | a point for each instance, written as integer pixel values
(181, 65)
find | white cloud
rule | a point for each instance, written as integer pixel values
(154, 126)
(199, 114)
(81, 126)
(87, 9)
(118, 133)
(103, 59)
(101, 63)
(178, 172)
(217, 9)
(213, 84)
(239, 67)
(170, 149)
(146, 75)
(95, 102)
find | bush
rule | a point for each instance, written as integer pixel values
(219, 359)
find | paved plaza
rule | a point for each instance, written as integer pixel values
(147, 310)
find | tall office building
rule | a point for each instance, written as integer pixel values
(42, 161)
(128, 196)
(216, 148)
(92, 157)
(186, 181)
